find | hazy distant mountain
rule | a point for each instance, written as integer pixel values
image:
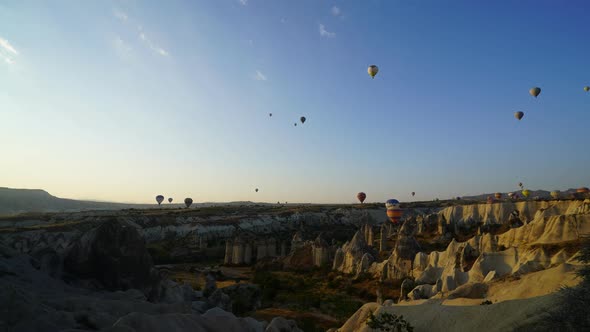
(543, 194)
(14, 201)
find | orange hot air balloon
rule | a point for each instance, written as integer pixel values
(361, 197)
(498, 195)
(394, 215)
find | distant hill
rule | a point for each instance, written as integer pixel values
(15, 201)
(543, 194)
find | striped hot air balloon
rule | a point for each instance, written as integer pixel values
(361, 197)
(394, 212)
(394, 215)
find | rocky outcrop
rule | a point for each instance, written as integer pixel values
(244, 297)
(486, 257)
(115, 255)
(354, 257)
(33, 301)
(248, 248)
(280, 324)
(305, 255)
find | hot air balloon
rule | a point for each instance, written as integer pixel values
(490, 200)
(520, 185)
(394, 215)
(188, 201)
(518, 115)
(413, 193)
(269, 114)
(526, 193)
(498, 195)
(361, 197)
(511, 195)
(394, 212)
(302, 119)
(587, 88)
(373, 70)
(555, 194)
(535, 91)
(391, 204)
(295, 124)
(256, 190)
(159, 199)
(583, 190)
(170, 200)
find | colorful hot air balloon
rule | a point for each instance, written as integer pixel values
(188, 201)
(302, 119)
(498, 195)
(526, 193)
(518, 115)
(583, 190)
(391, 204)
(394, 215)
(373, 70)
(413, 193)
(170, 200)
(535, 91)
(361, 197)
(394, 212)
(587, 88)
(159, 199)
(555, 194)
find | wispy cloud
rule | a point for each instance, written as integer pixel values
(260, 76)
(6, 45)
(123, 47)
(151, 45)
(120, 15)
(243, 2)
(326, 33)
(336, 11)
(7, 51)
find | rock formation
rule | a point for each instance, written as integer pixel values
(115, 255)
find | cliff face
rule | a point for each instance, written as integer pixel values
(542, 239)
(518, 251)
(198, 231)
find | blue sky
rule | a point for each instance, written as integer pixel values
(125, 100)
